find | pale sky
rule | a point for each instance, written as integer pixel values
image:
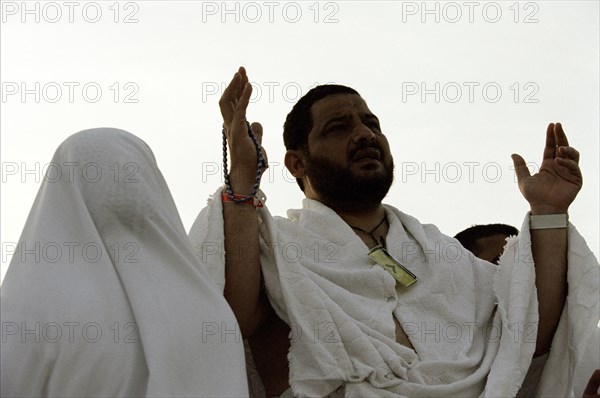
(457, 86)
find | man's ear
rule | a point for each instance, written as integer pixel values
(294, 162)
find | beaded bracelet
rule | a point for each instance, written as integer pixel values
(260, 167)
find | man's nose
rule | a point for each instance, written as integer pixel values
(363, 132)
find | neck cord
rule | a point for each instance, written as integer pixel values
(370, 233)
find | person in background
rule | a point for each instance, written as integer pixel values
(486, 241)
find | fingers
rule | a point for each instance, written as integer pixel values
(569, 164)
(557, 144)
(239, 114)
(229, 98)
(565, 155)
(550, 148)
(233, 94)
(240, 88)
(258, 131)
(569, 167)
(521, 169)
(559, 135)
(568, 152)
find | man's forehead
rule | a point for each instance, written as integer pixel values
(338, 105)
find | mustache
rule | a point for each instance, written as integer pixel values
(364, 144)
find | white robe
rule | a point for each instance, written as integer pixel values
(473, 325)
(106, 295)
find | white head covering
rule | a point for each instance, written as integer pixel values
(105, 295)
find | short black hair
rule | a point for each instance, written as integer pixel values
(298, 122)
(468, 237)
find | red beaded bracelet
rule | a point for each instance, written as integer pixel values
(252, 201)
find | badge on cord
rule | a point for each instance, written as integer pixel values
(391, 265)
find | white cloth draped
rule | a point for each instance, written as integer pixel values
(105, 295)
(473, 325)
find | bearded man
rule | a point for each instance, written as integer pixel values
(360, 299)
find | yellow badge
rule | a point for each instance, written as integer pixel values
(391, 265)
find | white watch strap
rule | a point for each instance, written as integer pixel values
(548, 221)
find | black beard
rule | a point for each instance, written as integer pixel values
(341, 190)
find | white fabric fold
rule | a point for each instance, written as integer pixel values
(105, 295)
(445, 314)
(473, 325)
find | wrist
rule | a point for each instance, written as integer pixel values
(251, 201)
(540, 210)
(548, 221)
(241, 182)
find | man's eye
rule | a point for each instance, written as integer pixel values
(335, 127)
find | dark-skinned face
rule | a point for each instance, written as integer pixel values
(348, 162)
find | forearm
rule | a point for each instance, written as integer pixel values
(550, 191)
(549, 248)
(242, 262)
(242, 253)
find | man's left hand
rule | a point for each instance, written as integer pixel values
(555, 186)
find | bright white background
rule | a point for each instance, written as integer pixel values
(172, 59)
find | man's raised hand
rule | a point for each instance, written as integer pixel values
(554, 187)
(242, 255)
(233, 104)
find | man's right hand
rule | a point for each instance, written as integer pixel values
(242, 253)
(233, 104)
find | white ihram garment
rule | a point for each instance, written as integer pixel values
(473, 325)
(130, 309)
